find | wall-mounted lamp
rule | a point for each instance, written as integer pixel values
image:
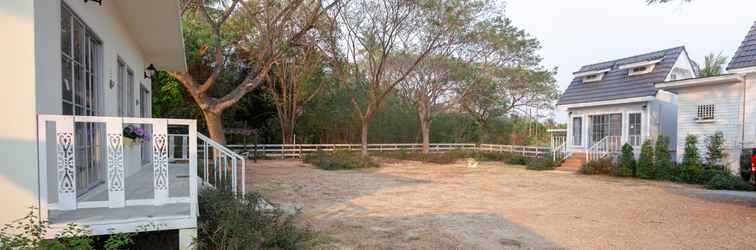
(96, 1)
(644, 106)
(150, 71)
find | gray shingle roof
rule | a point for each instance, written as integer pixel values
(746, 55)
(617, 84)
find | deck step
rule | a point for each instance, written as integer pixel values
(573, 163)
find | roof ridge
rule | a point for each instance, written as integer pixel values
(582, 68)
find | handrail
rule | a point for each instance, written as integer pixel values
(603, 147)
(598, 150)
(217, 175)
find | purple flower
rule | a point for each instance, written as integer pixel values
(139, 132)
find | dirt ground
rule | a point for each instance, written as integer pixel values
(410, 205)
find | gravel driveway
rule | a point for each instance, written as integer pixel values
(411, 205)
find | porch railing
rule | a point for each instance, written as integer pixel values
(222, 167)
(64, 143)
(604, 147)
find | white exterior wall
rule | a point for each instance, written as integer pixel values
(18, 148)
(664, 119)
(727, 99)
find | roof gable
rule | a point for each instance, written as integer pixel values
(746, 54)
(617, 83)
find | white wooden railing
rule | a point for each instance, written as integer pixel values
(64, 141)
(299, 150)
(222, 167)
(604, 147)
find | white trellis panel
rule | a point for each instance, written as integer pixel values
(66, 163)
(116, 181)
(160, 160)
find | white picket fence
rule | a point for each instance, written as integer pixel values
(299, 150)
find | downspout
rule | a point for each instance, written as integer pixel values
(742, 118)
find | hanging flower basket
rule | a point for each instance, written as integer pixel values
(133, 135)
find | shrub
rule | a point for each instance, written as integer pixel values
(230, 222)
(339, 160)
(745, 164)
(690, 169)
(603, 166)
(518, 160)
(663, 166)
(715, 150)
(626, 162)
(645, 167)
(725, 181)
(544, 163)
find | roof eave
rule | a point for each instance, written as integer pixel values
(156, 28)
(697, 82)
(605, 103)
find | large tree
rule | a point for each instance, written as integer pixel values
(430, 89)
(373, 31)
(505, 75)
(259, 33)
(296, 81)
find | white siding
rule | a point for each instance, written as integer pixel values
(727, 99)
(18, 149)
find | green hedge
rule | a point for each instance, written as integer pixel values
(339, 160)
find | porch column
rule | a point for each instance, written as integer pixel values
(160, 160)
(66, 162)
(116, 182)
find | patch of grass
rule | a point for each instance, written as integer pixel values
(230, 222)
(339, 160)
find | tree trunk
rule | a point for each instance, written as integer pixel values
(425, 131)
(287, 132)
(364, 137)
(215, 126)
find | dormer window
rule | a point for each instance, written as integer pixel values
(640, 68)
(591, 76)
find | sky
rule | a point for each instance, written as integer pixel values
(579, 32)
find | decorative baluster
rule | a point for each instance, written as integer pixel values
(160, 160)
(66, 163)
(116, 182)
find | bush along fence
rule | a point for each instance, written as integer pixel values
(301, 150)
(655, 162)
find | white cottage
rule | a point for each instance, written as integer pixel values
(615, 102)
(724, 103)
(75, 74)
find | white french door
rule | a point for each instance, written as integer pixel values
(606, 125)
(81, 65)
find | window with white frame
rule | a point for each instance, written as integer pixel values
(577, 131)
(634, 129)
(121, 87)
(130, 100)
(705, 112)
(641, 70)
(125, 84)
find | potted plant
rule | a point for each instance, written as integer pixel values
(133, 135)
